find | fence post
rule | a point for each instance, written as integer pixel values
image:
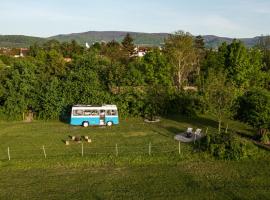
(149, 149)
(116, 149)
(8, 153)
(179, 148)
(82, 149)
(44, 152)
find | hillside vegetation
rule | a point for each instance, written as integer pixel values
(19, 40)
(147, 39)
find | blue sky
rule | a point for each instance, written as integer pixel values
(232, 18)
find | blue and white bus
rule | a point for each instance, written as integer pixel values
(86, 115)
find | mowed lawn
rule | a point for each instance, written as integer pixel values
(132, 174)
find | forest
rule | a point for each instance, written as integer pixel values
(181, 77)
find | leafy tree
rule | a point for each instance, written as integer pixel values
(181, 51)
(157, 69)
(19, 90)
(50, 99)
(218, 96)
(154, 102)
(242, 64)
(254, 108)
(113, 51)
(264, 45)
(128, 45)
(52, 45)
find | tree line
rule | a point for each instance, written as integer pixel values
(229, 82)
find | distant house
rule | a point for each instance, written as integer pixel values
(22, 52)
(140, 51)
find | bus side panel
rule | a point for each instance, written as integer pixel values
(113, 119)
(79, 121)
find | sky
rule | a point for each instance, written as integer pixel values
(43, 18)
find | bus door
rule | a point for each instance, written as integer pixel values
(102, 117)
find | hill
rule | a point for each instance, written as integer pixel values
(152, 39)
(19, 40)
(148, 39)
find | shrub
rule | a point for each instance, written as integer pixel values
(254, 108)
(185, 103)
(224, 146)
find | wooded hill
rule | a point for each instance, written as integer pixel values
(148, 39)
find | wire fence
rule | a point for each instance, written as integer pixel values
(84, 150)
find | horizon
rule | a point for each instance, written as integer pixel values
(222, 18)
(61, 34)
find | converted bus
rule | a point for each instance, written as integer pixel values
(87, 115)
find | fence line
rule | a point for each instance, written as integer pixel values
(116, 150)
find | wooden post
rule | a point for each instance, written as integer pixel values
(8, 153)
(116, 150)
(82, 149)
(179, 148)
(44, 152)
(227, 128)
(149, 149)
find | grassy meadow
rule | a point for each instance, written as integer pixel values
(132, 174)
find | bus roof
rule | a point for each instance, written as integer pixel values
(105, 106)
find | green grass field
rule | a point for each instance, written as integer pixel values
(133, 174)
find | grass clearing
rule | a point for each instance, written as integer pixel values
(133, 174)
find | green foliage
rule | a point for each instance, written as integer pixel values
(265, 138)
(218, 96)
(224, 146)
(254, 108)
(156, 68)
(109, 73)
(182, 53)
(128, 45)
(19, 86)
(243, 65)
(185, 103)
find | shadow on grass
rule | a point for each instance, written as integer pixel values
(172, 131)
(197, 121)
(252, 138)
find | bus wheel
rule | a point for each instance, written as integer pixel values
(85, 124)
(109, 123)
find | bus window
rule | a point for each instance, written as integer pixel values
(77, 112)
(87, 112)
(94, 113)
(108, 112)
(114, 112)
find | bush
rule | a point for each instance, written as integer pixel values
(224, 146)
(254, 108)
(185, 103)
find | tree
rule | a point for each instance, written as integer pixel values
(218, 96)
(19, 89)
(242, 65)
(128, 45)
(157, 69)
(113, 51)
(264, 45)
(254, 109)
(181, 51)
